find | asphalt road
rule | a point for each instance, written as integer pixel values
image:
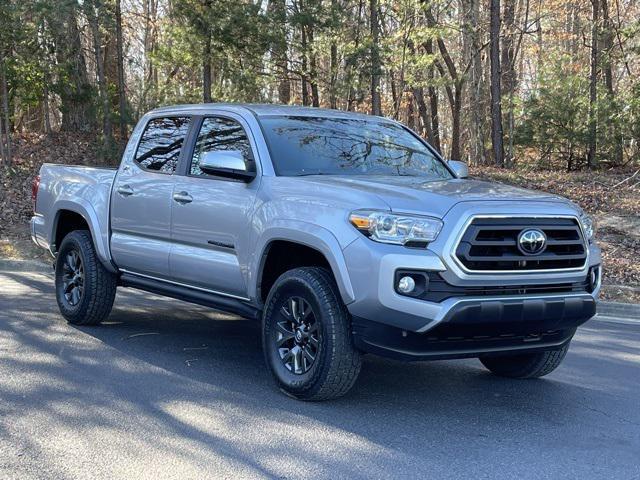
(170, 390)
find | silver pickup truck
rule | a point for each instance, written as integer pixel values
(341, 233)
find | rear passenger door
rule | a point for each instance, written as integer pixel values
(141, 200)
(210, 217)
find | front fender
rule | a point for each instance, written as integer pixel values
(309, 235)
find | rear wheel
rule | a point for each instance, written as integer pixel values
(307, 337)
(530, 365)
(85, 290)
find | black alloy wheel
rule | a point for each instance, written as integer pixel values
(298, 335)
(73, 278)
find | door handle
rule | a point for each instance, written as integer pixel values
(125, 190)
(182, 197)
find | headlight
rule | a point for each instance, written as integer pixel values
(589, 226)
(386, 227)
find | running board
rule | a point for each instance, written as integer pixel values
(207, 299)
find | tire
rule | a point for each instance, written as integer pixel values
(325, 335)
(85, 291)
(530, 365)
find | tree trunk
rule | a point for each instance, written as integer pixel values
(305, 87)
(376, 103)
(614, 126)
(3, 154)
(508, 71)
(433, 102)
(472, 49)
(333, 57)
(456, 139)
(454, 95)
(411, 119)
(496, 102)
(351, 96)
(93, 14)
(423, 113)
(46, 106)
(149, 42)
(206, 70)
(278, 11)
(5, 110)
(333, 67)
(593, 85)
(508, 53)
(313, 70)
(73, 85)
(121, 83)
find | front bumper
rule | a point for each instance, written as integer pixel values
(372, 267)
(476, 327)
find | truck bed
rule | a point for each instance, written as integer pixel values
(69, 188)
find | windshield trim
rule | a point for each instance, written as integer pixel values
(346, 116)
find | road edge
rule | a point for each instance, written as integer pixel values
(628, 311)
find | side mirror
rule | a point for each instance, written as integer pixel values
(226, 163)
(459, 168)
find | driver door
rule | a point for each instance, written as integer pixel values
(211, 215)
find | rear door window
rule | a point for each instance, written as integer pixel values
(161, 143)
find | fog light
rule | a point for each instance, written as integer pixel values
(406, 284)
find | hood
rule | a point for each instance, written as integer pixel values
(436, 198)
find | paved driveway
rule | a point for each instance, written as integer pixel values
(170, 390)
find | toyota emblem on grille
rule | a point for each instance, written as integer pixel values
(532, 241)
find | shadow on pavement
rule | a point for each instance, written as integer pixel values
(186, 381)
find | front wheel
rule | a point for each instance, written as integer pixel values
(85, 290)
(530, 365)
(307, 337)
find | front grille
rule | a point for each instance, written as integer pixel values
(491, 244)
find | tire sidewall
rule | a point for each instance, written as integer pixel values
(289, 284)
(72, 313)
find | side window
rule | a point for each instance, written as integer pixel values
(219, 133)
(161, 142)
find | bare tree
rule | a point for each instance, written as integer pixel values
(93, 12)
(278, 11)
(607, 67)
(206, 69)
(508, 69)
(433, 101)
(122, 101)
(376, 68)
(454, 93)
(496, 90)
(593, 84)
(5, 111)
(333, 56)
(472, 46)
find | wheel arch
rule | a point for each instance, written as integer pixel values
(69, 216)
(318, 243)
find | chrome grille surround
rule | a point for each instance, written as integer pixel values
(512, 225)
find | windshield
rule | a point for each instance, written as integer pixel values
(340, 146)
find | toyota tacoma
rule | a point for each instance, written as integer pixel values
(341, 233)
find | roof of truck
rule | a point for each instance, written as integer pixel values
(264, 110)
